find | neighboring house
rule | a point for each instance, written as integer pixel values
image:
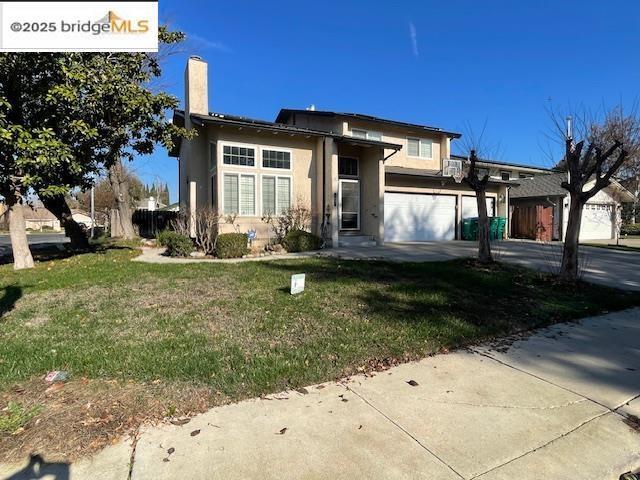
(37, 217)
(540, 209)
(82, 218)
(150, 203)
(363, 178)
(174, 207)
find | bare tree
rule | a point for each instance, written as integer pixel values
(473, 144)
(479, 186)
(591, 163)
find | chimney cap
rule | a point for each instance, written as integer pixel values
(196, 57)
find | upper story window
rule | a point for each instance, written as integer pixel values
(505, 175)
(366, 134)
(419, 147)
(236, 155)
(276, 159)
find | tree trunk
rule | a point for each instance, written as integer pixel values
(57, 205)
(484, 242)
(17, 230)
(569, 266)
(120, 186)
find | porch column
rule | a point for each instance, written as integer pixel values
(331, 186)
(192, 209)
(381, 186)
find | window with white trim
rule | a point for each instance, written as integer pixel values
(239, 194)
(237, 155)
(366, 134)
(276, 159)
(276, 194)
(505, 175)
(419, 147)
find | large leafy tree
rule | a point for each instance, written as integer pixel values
(30, 150)
(118, 100)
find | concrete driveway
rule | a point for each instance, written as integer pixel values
(554, 405)
(614, 268)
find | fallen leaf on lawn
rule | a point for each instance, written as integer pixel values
(171, 450)
(359, 427)
(413, 383)
(165, 459)
(180, 422)
(194, 433)
(320, 387)
(282, 431)
(303, 391)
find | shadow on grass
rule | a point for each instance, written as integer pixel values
(52, 252)
(11, 294)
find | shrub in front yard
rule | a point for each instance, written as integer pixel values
(301, 241)
(178, 245)
(231, 245)
(630, 229)
(162, 238)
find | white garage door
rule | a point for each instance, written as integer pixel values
(597, 222)
(412, 217)
(470, 207)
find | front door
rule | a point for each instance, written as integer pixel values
(349, 204)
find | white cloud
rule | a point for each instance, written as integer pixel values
(414, 39)
(202, 42)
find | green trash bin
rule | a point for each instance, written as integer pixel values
(502, 222)
(470, 228)
(494, 228)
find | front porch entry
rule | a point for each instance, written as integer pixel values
(349, 194)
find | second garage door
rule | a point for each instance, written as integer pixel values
(470, 207)
(411, 217)
(597, 222)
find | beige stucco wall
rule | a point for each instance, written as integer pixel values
(303, 173)
(399, 136)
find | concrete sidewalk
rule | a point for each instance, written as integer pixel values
(550, 405)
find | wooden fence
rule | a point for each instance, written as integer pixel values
(149, 223)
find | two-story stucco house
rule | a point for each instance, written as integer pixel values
(364, 179)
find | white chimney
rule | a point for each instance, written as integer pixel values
(311, 108)
(196, 97)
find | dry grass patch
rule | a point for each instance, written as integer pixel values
(68, 420)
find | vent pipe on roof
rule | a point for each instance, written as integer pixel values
(311, 108)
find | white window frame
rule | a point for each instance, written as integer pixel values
(502, 172)
(367, 134)
(276, 149)
(420, 141)
(257, 154)
(273, 175)
(255, 192)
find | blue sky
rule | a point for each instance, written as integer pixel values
(454, 64)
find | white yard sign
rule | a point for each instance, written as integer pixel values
(297, 283)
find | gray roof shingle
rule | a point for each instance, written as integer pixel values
(546, 185)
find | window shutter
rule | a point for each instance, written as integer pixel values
(230, 194)
(247, 195)
(413, 147)
(425, 148)
(268, 195)
(284, 194)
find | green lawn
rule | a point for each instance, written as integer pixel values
(236, 328)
